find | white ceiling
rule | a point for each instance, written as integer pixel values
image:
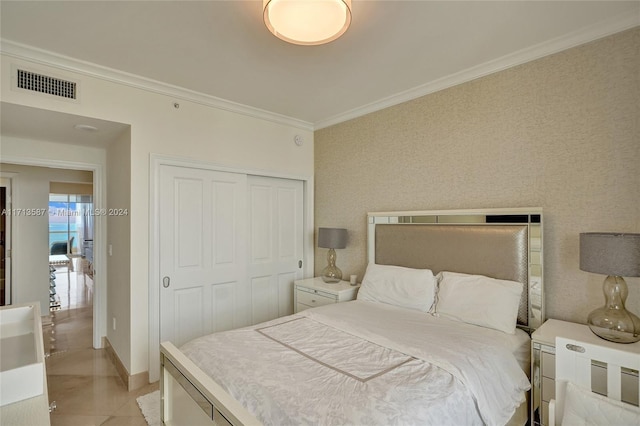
(394, 50)
(51, 126)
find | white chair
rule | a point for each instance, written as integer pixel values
(575, 403)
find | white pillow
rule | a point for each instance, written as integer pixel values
(585, 408)
(479, 300)
(395, 285)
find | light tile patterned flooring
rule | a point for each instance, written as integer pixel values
(83, 381)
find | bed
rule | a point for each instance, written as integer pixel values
(395, 355)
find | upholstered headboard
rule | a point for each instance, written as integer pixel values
(503, 244)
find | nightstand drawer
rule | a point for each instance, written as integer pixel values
(545, 413)
(312, 292)
(314, 299)
(548, 389)
(548, 365)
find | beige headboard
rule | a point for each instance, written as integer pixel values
(504, 244)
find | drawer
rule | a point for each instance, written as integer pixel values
(545, 413)
(300, 307)
(548, 389)
(548, 365)
(313, 299)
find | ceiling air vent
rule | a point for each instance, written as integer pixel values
(46, 84)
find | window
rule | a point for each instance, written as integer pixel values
(69, 221)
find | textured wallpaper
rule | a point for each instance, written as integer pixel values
(561, 133)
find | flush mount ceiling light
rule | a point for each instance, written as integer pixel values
(307, 22)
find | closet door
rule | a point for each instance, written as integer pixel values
(203, 266)
(275, 221)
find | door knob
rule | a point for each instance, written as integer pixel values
(166, 281)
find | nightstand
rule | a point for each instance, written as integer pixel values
(312, 292)
(543, 366)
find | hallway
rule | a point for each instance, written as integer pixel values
(82, 381)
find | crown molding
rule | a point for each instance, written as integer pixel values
(603, 29)
(54, 60)
(43, 57)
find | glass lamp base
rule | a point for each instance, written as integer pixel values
(613, 322)
(620, 326)
(331, 275)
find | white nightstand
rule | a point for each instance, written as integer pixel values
(312, 292)
(543, 366)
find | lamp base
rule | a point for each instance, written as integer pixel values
(613, 322)
(615, 325)
(331, 275)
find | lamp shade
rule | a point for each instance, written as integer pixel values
(307, 22)
(610, 253)
(333, 238)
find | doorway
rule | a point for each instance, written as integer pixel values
(5, 241)
(30, 259)
(70, 241)
(41, 137)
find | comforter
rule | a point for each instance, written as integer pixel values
(366, 363)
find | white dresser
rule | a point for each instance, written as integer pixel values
(23, 380)
(312, 292)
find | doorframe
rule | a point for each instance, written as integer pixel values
(100, 234)
(9, 237)
(158, 160)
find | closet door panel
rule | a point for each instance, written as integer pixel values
(276, 221)
(203, 284)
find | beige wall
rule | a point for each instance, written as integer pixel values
(71, 188)
(560, 133)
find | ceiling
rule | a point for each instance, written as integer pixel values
(52, 126)
(393, 52)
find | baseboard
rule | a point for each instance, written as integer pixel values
(132, 382)
(138, 380)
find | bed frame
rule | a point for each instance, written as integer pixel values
(501, 243)
(574, 364)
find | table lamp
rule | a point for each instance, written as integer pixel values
(615, 255)
(332, 238)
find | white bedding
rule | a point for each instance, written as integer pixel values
(367, 363)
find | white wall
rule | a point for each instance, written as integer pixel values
(30, 242)
(119, 239)
(194, 130)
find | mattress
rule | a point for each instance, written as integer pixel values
(367, 363)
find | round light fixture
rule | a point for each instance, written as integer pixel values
(307, 22)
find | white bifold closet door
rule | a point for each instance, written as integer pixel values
(275, 247)
(229, 250)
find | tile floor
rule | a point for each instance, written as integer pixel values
(82, 381)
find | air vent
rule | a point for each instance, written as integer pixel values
(46, 84)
